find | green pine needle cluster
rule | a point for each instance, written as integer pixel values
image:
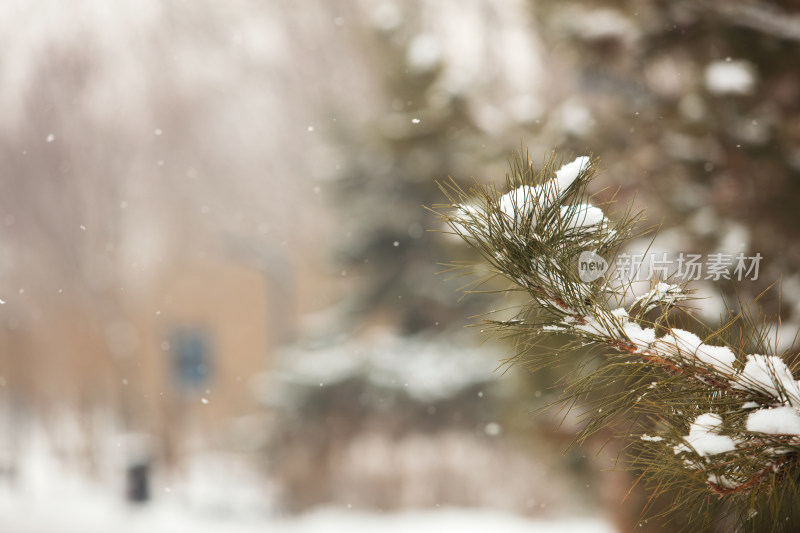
(695, 409)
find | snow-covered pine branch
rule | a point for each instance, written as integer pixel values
(735, 416)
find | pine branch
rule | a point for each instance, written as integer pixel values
(729, 418)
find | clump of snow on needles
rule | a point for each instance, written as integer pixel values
(722, 481)
(568, 173)
(768, 374)
(593, 326)
(607, 327)
(620, 313)
(720, 358)
(650, 438)
(519, 202)
(662, 292)
(665, 346)
(582, 216)
(704, 437)
(466, 221)
(681, 343)
(678, 343)
(686, 341)
(779, 421)
(522, 201)
(641, 337)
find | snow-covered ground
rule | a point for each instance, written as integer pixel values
(97, 513)
(46, 496)
(85, 508)
(80, 507)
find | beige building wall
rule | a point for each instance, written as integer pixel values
(65, 356)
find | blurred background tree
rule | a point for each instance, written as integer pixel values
(396, 317)
(694, 107)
